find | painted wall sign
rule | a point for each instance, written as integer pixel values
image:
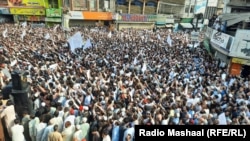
(27, 11)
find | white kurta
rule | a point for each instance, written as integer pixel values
(9, 116)
(17, 133)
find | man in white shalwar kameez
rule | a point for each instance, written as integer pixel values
(17, 131)
(9, 115)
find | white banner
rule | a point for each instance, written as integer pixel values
(241, 45)
(200, 6)
(220, 39)
(75, 41)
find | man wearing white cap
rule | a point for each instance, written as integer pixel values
(78, 136)
(85, 127)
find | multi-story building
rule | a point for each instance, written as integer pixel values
(147, 13)
(124, 13)
(232, 46)
(90, 12)
(34, 11)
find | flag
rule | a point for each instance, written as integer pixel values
(87, 44)
(110, 34)
(5, 33)
(135, 61)
(159, 37)
(75, 41)
(55, 28)
(13, 63)
(169, 40)
(144, 68)
(88, 74)
(222, 119)
(23, 34)
(24, 24)
(47, 36)
(186, 90)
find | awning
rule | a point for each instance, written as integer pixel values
(186, 25)
(233, 18)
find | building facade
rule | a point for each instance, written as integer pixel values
(232, 46)
(34, 11)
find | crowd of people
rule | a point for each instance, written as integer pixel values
(132, 77)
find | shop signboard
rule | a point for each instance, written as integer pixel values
(133, 18)
(30, 18)
(152, 18)
(75, 15)
(241, 61)
(140, 18)
(4, 11)
(27, 11)
(50, 19)
(43, 3)
(241, 44)
(53, 12)
(97, 15)
(161, 19)
(220, 39)
(186, 20)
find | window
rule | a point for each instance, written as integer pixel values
(80, 4)
(66, 3)
(53, 4)
(192, 9)
(187, 9)
(92, 4)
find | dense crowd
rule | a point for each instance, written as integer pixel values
(132, 77)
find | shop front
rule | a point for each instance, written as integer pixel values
(35, 10)
(240, 53)
(5, 15)
(135, 21)
(85, 18)
(240, 67)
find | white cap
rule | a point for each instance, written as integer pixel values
(84, 119)
(36, 94)
(52, 121)
(172, 94)
(78, 127)
(105, 118)
(86, 108)
(43, 104)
